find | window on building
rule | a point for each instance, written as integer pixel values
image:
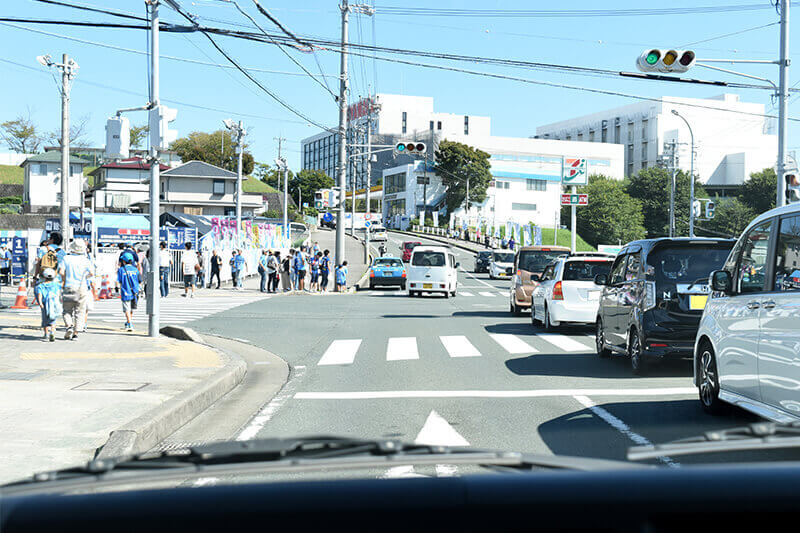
(405, 122)
(616, 134)
(40, 169)
(631, 128)
(569, 137)
(580, 136)
(536, 185)
(431, 125)
(74, 169)
(644, 165)
(218, 187)
(591, 136)
(644, 151)
(523, 207)
(438, 124)
(644, 129)
(466, 125)
(630, 168)
(604, 134)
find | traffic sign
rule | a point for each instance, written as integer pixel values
(574, 199)
(574, 171)
(367, 216)
(327, 217)
(367, 224)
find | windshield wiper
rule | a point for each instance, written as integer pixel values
(299, 454)
(695, 282)
(757, 436)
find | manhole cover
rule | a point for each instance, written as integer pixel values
(119, 386)
(20, 376)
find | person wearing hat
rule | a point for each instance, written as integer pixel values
(48, 297)
(75, 269)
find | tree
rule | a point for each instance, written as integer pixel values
(758, 192)
(308, 182)
(138, 135)
(217, 148)
(651, 187)
(78, 130)
(731, 216)
(457, 162)
(21, 135)
(271, 175)
(612, 216)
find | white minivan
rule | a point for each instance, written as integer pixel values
(432, 269)
(747, 350)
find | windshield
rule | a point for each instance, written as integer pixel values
(427, 259)
(410, 245)
(585, 270)
(388, 262)
(686, 264)
(503, 257)
(537, 260)
(484, 255)
(377, 229)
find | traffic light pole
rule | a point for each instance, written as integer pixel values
(342, 156)
(155, 182)
(691, 173)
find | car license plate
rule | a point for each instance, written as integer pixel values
(697, 301)
(427, 285)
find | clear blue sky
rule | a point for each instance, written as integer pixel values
(111, 79)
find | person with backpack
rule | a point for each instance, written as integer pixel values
(273, 265)
(300, 266)
(75, 269)
(324, 270)
(128, 278)
(52, 256)
(263, 262)
(48, 297)
(286, 267)
(341, 277)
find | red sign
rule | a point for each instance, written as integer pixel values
(359, 109)
(133, 232)
(574, 199)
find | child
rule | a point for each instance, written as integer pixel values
(314, 262)
(128, 279)
(341, 277)
(48, 296)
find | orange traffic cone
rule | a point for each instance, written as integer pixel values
(104, 289)
(22, 296)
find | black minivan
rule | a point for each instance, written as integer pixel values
(654, 295)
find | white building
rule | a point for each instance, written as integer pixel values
(120, 184)
(732, 138)
(42, 186)
(526, 184)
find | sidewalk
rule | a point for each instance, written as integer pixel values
(465, 245)
(59, 401)
(354, 254)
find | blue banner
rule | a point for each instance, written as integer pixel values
(19, 254)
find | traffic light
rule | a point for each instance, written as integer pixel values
(410, 148)
(792, 187)
(656, 60)
(710, 206)
(160, 134)
(696, 208)
(118, 138)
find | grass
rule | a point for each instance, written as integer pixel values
(565, 238)
(12, 174)
(255, 185)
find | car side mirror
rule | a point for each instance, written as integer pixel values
(721, 281)
(458, 265)
(509, 271)
(601, 279)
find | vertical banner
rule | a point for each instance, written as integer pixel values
(526, 237)
(537, 236)
(497, 232)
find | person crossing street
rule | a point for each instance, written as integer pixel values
(216, 265)
(189, 266)
(263, 262)
(75, 269)
(165, 264)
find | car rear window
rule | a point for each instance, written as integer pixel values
(410, 245)
(388, 262)
(484, 255)
(433, 259)
(687, 263)
(585, 270)
(536, 260)
(503, 257)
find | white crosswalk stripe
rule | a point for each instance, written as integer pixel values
(567, 344)
(459, 346)
(402, 348)
(512, 343)
(340, 352)
(465, 293)
(484, 293)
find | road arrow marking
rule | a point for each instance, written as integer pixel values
(437, 432)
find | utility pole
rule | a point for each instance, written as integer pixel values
(281, 164)
(353, 186)
(155, 182)
(369, 179)
(342, 156)
(672, 146)
(782, 97)
(691, 173)
(238, 128)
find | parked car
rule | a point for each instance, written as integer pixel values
(482, 261)
(748, 344)
(567, 292)
(408, 247)
(530, 261)
(501, 264)
(653, 298)
(387, 271)
(432, 269)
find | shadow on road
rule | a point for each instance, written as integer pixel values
(485, 314)
(591, 366)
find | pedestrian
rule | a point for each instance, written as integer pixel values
(5, 264)
(241, 269)
(201, 273)
(313, 264)
(301, 265)
(52, 256)
(273, 265)
(89, 284)
(486, 240)
(341, 277)
(48, 296)
(263, 263)
(324, 270)
(234, 272)
(286, 268)
(74, 270)
(315, 248)
(129, 281)
(189, 267)
(511, 243)
(216, 266)
(292, 253)
(164, 267)
(144, 255)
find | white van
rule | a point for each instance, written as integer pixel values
(432, 269)
(377, 233)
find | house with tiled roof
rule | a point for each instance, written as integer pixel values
(121, 186)
(42, 184)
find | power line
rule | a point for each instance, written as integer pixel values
(93, 9)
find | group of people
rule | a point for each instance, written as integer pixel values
(291, 271)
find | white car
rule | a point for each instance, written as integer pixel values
(377, 233)
(432, 269)
(501, 263)
(567, 291)
(747, 349)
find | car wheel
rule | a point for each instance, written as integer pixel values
(447, 294)
(548, 326)
(708, 388)
(635, 353)
(411, 294)
(371, 285)
(403, 287)
(515, 309)
(600, 341)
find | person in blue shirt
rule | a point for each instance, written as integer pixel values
(263, 264)
(341, 277)
(300, 266)
(128, 278)
(48, 297)
(324, 270)
(313, 263)
(240, 265)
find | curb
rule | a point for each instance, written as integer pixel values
(437, 239)
(146, 431)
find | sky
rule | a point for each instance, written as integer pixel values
(205, 93)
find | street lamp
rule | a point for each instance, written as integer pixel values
(691, 173)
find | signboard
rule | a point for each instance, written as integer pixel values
(54, 224)
(176, 238)
(574, 199)
(367, 216)
(19, 254)
(573, 172)
(327, 217)
(359, 109)
(117, 235)
(367, 224)
(423, 180)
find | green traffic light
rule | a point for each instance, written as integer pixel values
(401, 147)
(652, 58)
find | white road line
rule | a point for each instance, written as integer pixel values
(269, 410)
(562, 341)
(459, 346)
(402, 348)
(621, 426)
(438, 432)
(465, 293)
(540, 393)
(340, 352)
(485, 293)
(512, 343)
(401, 472)
(469, 275)
(446, 470)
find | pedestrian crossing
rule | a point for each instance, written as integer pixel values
(344, 352)
(467, 294)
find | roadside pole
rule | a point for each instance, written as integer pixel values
(155, 182)
(342, 156)
(66, 76)
(782, 97)
(369, 180)
(574, 222)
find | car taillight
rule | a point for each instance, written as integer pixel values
(649, 295)
(371, 273)
(558, 294)
(404, 272)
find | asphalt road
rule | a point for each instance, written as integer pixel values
(458, 371)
